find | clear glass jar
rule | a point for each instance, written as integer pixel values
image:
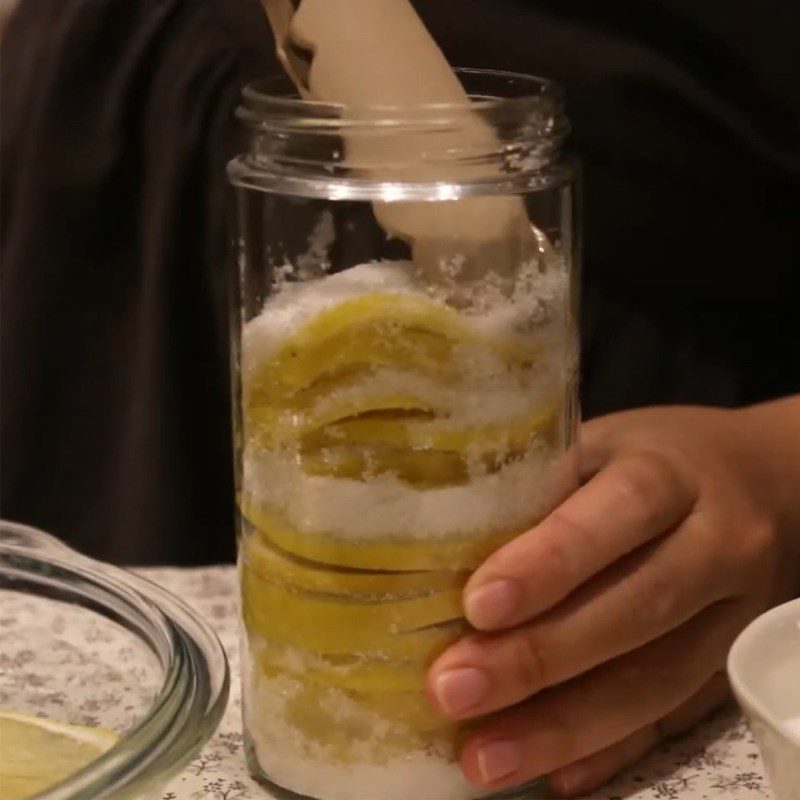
(86, 643)
(405, 360)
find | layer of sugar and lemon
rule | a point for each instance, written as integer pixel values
(400, 421)
(390, 442)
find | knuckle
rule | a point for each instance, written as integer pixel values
(755, 537)
(758, 533)
(645, 479)
(744, 538)
(529, 664)
(563, 733)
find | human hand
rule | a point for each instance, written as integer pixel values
(606, 627)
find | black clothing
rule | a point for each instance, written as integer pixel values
(116, 127)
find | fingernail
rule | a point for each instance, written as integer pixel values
(458, 690)
(570, 780)
(489, 606)
(497, 760)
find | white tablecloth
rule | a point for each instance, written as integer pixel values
(717, 761)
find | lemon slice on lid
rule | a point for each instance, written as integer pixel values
(37, 753)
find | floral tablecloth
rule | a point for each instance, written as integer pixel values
(718, 761)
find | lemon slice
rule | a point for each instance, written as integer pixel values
(373, 676)
(409, 709)
(397, 330)
(400, 555)
(427, 434)
(423, 469)
(420, 645)
(270, 562)
(276, 425)
(322, 621)
(347, 726)
(353, 673)
(37, 753)
(420, 450)
(380, 329)
(328, 385)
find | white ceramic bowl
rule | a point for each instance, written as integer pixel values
(764, 669)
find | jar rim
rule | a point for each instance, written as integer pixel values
(274, 101)
(430, 151)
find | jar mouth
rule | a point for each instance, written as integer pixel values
(194, 690)
(495, 95)
(505, 138)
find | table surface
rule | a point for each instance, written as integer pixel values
(717, 760)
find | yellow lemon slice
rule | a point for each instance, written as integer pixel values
(323, 622)
(400, 555)
(426, 434)
(353, 673)
(395, 330)
(37, 753)
(400, 436)
(424, 469)
(276, 426)
(381, 329)
(409, 710)
(420, 645)
(329, 384)
(270, 562)
(352, 729)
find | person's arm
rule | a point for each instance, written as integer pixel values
(606, 627)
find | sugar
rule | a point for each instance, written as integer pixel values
(374, 767)
(298, 303)
(508, 401)
(295, 304)
(385, 507)
(499, 400)
(488, 390)
(418, 775)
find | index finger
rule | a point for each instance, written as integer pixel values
(634, 499)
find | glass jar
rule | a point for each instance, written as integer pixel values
(89, 644)
(405, 353)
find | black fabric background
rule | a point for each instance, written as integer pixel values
(117, 123)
